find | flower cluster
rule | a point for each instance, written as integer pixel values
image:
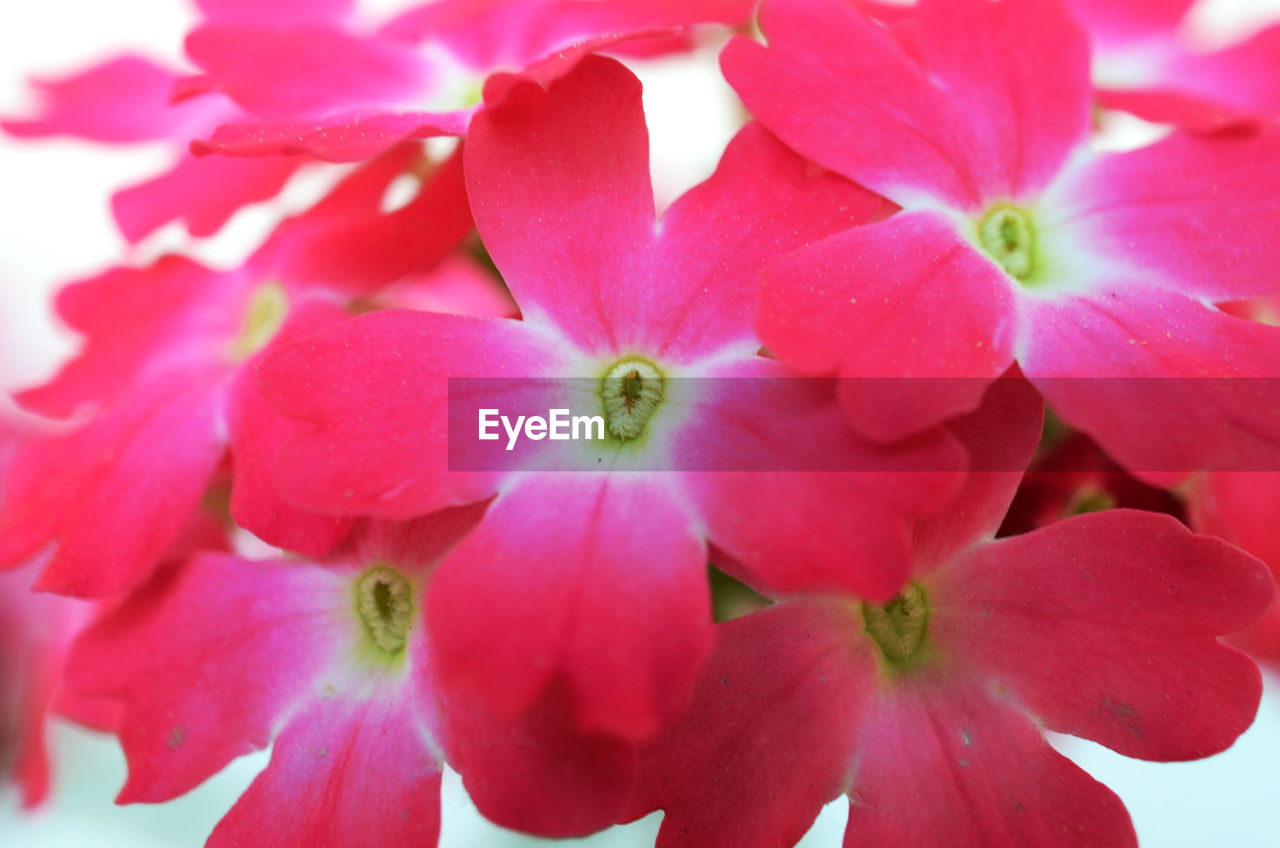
(826, 541)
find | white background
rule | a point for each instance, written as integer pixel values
(55, 226)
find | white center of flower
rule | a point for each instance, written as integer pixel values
(264, 314)
(898, 627)
(631, 390)
(1008, 238)
(385, 602)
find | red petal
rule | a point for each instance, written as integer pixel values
(615, 600)
(907, 299)
(255, 635)
(344, 773)
(201, 193)
(257, 433)
(1001, 437)
(124, 99)
(945, 763)
(1105, 626)
(762, 202)
(966, 117)
(771, 733)
(303, 71)
(1207, 234)
(529, 161)
(377, 387)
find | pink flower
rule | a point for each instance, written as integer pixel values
(167, 377)
(341, 92)
(596, 581)
(325, 660)
(1095, 273)
(929, 711)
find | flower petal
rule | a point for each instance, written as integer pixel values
(608, 589)
(1208, 234)
(115, 493)
(275, 12)
(207, 659)
(348, 242)
(201, 193)
(351, 135)
(1111, 22)
(539, 773)
(344, 773)
(377, 388)
(1239, 507)
(906, 298)
(302, 71)
(794, 495)
(560, 188)
(519, 32)
(257, 432)
(762, 202)
(1001, 437)
(1105, 626)
(742, 767)
(967, 116)
(943, 762)
(1163, 383)
(124, 99)
(138, 322)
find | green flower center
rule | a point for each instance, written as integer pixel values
(384, 599)
(1007, 236)
(899, 627)
(632, 390)
(263, 316)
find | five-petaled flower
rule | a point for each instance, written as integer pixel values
(929, 711)
(602, 574)
(1096, 273)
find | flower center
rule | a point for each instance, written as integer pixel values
(385, 602)
(632, 390)
(898, 627)
(263, 316)
(1008, 238)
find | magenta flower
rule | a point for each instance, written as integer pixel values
(929, 711)
(167, 376)
(1016, 242)
(339, 92)
(597, 580)
(325, 660)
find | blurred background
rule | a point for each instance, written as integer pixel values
(55, 226)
